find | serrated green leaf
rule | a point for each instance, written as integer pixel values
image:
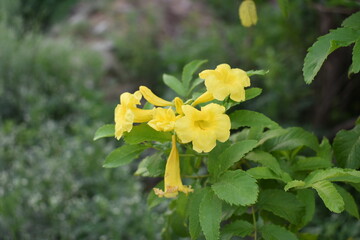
(252, 93)
(246, 118)
(151, 166)
(214, 158)
(325, 45)
(282, 204)
(274, 232)
(330, 196)
(210, 215)
(173, 83)
(238, 228)
(353, 21)
(350, 204)
(236, 187)
(294, 184)
(310, 163)
(263, 173)
(229, 156)
(123, 155)
(284, 6)
(107, 130)
(333, 174)
(257, 72)
(355, 66)
(189, 71)
(267, 160)
(271, 134)
(306, 196)
(293, 138)
(194, 205)
(347, 148)
(144, 132)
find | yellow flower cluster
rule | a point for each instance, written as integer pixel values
(200, 127)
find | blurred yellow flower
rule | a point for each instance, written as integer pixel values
(152, 98)
(204, 127)
(247, 13)
(225, 81)
(126, 113)
(163, 119)
(172, 178)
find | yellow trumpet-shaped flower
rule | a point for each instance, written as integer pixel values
(126, 113)
(152, 98)
(172, 178)
(205, 97)
(204, 127)
(178, 105)
(163, 119)
(247, 13)
(225, 81)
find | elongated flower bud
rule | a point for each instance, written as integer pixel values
(247, 13)
(152, 98)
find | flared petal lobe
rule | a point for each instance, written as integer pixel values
(225, 81)
(172, 178)
(203, 128)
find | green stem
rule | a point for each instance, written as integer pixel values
(254, 222)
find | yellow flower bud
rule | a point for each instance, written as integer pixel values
(247, 13)
(152, 98)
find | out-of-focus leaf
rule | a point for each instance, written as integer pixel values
(107, 130)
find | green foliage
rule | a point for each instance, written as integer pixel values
(107, 130)
(325, 45)
(144, 132)
(123, 155)
(274, 232)
(246, 118)
(347, 148)
(210, 215)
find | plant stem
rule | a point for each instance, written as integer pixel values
(254, 222)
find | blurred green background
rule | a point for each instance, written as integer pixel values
(63, 65)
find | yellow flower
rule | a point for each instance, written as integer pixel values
(178, 105)
(126, 113)
(247, 13)
(204, 127)
(225, 81)
(163, 119)
(152, 98)
(172, 179)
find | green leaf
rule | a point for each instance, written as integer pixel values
(153, 200)
(282, 204)
(350, 204)
(274, 232)
(213, 161)
(284, 6)
(194, 205)
(306, 196)
(252, 93)
(355, 66)
(294, 184)
(123, 155)
(144, 132)
(310, 163)
(353, 21)
(236, 187)
(238, 228)
(347, 148)
(189, 71)
(229, 156)
(210, 215)
(294, 138)
(263, 173)
(330, 196)
(107, 130)
(325, 45)
(173, 83)
(333, 174)
(267, 160)
(195, 83)
(246, 118)
(151, 166)
(257, 72)
(271, 134)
